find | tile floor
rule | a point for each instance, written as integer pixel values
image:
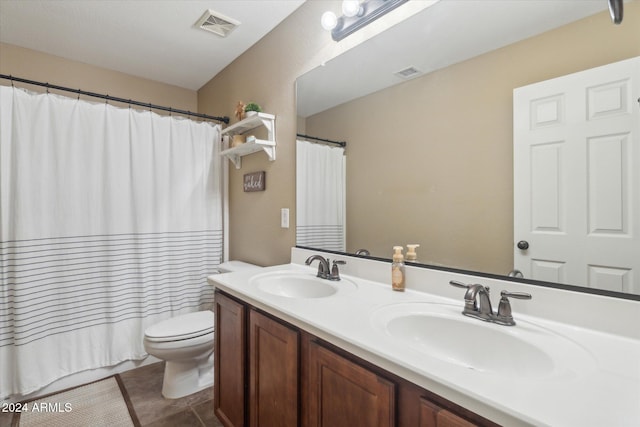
(5, 419)
(144, 386)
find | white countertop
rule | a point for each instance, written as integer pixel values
(600, 389)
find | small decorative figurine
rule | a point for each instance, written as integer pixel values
(240, 110)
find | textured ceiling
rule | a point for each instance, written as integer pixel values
(157, 40)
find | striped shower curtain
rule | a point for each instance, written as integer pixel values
(110, 221)
(320, 196)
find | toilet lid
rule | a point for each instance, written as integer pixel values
(182, 327)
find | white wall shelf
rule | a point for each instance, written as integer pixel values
(268, 145)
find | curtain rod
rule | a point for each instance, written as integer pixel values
(224, 119)
(340, 143)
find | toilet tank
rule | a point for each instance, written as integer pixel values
(232, 266)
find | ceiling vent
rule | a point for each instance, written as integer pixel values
(217, 23)
(408, 73)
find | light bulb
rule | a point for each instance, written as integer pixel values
(329, 20)
(350, 7)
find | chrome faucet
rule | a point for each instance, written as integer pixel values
(335, 271)
(324, 271)
(323, 266)
(478, 305)
(504, 316)
(516, 273)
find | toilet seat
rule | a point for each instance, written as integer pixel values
(183, 327)
(186, 344)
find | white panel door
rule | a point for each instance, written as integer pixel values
(577, 178)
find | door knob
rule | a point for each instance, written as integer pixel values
(523, 244)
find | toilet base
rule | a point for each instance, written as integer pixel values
(182, 378)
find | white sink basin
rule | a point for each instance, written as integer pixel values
(442, 332)
(293, 284)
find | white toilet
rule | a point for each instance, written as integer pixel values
(185, 343)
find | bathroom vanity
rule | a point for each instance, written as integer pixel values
(287, 369)
(293, 349)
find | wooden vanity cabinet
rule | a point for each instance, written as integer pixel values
(432, 415)
(418, 407)
(273, 372)
(256, 367)
(230, 361)
(270, 373)
(344, 390)
(341, 393)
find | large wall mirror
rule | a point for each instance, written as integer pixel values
(426, 110)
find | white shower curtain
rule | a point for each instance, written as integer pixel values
(110, 220)
(320, 196)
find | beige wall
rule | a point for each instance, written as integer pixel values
(33, 65)
(266, 74)
(430, 161)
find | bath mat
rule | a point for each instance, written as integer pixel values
(101, 403)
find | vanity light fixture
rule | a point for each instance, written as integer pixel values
(356, 15)
(616, 11)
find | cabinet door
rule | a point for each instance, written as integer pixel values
(431, 415)
(342, 393)
(229, 356)
(273, 372)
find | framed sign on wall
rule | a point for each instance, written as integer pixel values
(254, 181)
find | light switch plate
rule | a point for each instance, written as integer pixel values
(284, 217)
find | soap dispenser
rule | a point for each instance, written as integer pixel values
(411, 252)
(397, 269)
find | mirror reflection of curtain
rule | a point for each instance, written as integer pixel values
(320, 195)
